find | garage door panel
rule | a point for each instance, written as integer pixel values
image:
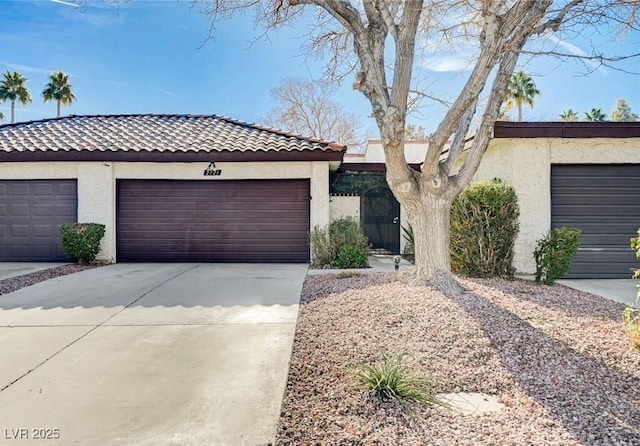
(610, 240)
(19, 189)
(65, 210)
(604, 202)
(19, 210)
(19, 231)
(208, 216)
(586, 210)
(581, 197)
(589, 171)
(202, 235)
(30, 217)
(249, 221)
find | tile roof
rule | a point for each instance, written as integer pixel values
(153, 133)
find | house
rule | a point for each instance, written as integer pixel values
(211, 188)
(577, 174)
(167, 188)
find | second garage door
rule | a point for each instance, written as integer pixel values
(213, 221)
(31, 213)
(604, 202)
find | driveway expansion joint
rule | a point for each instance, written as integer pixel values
(95, 327)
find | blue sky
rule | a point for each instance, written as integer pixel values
(153, 57)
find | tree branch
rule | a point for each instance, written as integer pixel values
(483, 135)
(459, 140)
(389, 17)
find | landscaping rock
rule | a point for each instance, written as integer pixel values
(557, 361)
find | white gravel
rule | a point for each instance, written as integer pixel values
(558, 359)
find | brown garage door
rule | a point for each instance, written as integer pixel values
(31, 213)
(213, 221)
(604, 202)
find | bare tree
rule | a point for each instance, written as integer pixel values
(307, 107)
(382, 39)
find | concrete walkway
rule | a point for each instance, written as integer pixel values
(379, 263)
(13, 269)
(619, 290)
(149, 354)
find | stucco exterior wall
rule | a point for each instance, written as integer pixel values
(340, 207)
(525, 163)
(96, 194)
(97, 184)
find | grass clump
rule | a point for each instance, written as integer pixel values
(348, 274)
(631, 317)
(391, 379)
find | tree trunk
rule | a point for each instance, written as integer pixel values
(13, 112)
(431, 225)
(58, 102)
(519, 112)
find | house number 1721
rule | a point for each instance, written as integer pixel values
(212, 171)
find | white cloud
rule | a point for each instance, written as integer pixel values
(27, 68)
(61, 2)
(460, 62)
(167, 92)
(573, 49)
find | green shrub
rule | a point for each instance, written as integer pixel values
(326, 242)
(390, 379)
(81, 241)
(350, 256)
(347, 231)
(554, 253)
(484, 227)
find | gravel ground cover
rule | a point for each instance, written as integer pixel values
(15, 283)
(558, 359)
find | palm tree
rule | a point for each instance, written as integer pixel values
(13, 87)
(569, 115)
(1, 116)
(58, 89)
(595, 115)
(521, 90)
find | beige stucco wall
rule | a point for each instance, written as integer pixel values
(525, 163)
(97, 184)
(344, 206)
(96, 195)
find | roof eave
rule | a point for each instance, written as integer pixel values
(505, 129)
(172, 157)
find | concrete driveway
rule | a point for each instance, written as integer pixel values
(619, 290)
(149, 354)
